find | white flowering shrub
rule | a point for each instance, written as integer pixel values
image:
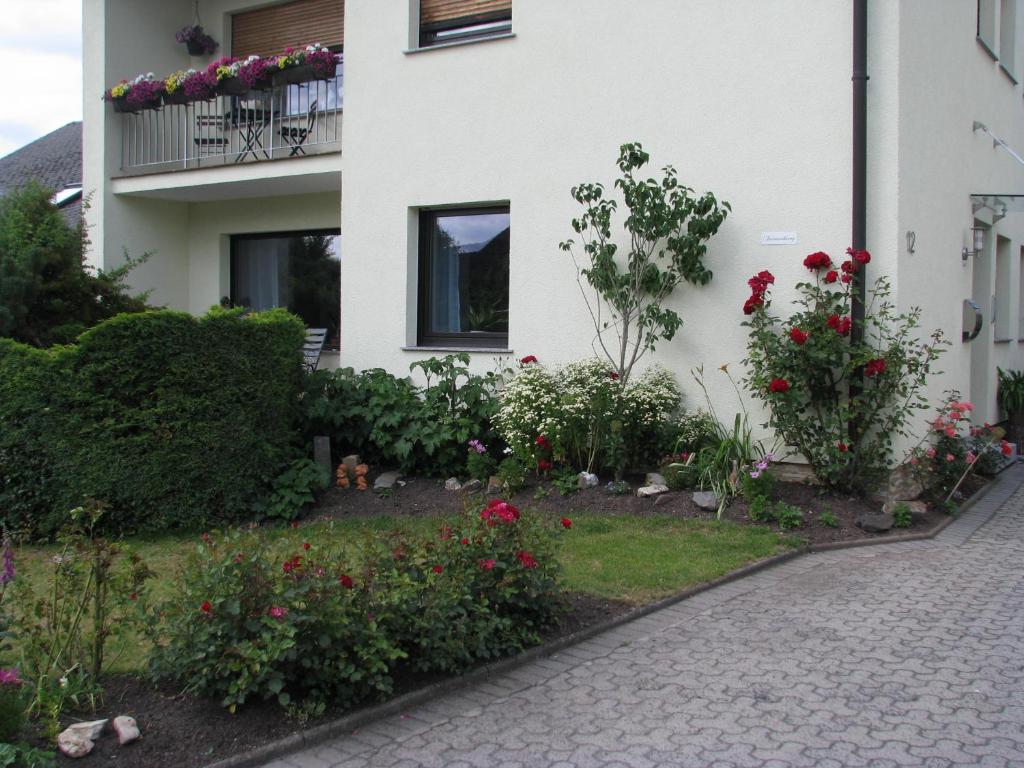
(580, 415)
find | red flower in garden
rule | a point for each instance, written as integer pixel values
(798, 336)
(278, 613)
(446, 533)
(818, 260)
(238, 558)
(832, 276)
(206, 607)
(346, 581)
(543, 442)
(526, 559)
(843, 447)
(861, 257)
(847, 278)
(754, 302)
(849, 267)
(566, 523)
(528, 359)
(438, 569)
(759, 283)
(295, 523)
(840, 325)
(544, 465)
(292, 565)
(613, 375)
(464, 541)
(1006, 448)
(779, 385)
(875, 367)
(305, 545)
(487, 565)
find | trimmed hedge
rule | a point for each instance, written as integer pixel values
(174, 421)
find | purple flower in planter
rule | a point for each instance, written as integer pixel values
(199, 85)
(145, 92)
(255, 72)
(196, 38)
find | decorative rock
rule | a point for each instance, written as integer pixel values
(351, 461)
(90, 730)
(126, 728)
(586, 480)
(452, 484)
(903, 486)
(651, 490)
(472, 486)
(706, 500)
(322, 452)
(879, 523)
(787, 472)
(386, 480)
(494, 485)
(654, 478)
(73, 744)
(918, 508)
(665, 498)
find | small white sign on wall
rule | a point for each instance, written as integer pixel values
(778, 238)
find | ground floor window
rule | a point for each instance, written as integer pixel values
(463, 277)
(296, 270)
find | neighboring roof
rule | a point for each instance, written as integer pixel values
(55, 161)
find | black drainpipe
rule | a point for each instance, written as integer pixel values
(859, 207)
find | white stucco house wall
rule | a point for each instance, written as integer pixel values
(489, 118)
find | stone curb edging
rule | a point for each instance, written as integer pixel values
(349, 723)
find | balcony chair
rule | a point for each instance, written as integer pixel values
(311, 349)
(295, 137)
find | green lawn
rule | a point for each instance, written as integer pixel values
(635, 560)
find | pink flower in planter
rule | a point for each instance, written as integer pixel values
(278, 613)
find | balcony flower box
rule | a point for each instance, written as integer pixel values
(144, 92)
(313, 63)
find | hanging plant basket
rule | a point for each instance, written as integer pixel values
(197, 47)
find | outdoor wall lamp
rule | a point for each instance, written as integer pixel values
(977, 240)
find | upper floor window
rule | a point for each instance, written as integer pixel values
(448, 21)
(296, 24)
(463, 277)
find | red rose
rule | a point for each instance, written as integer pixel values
(832, 276)
(875, 367)
(767, 276)
(844, 326)
(487, 565)
(528, 359)
(818, 260)
(438, 569)
(544, 465)
(849, 267)
(843, 448)
(346, 581)
(779, 385)
(861, 257)
(751, 304)
(526, 559)
(543, 442)
(798, 336)
(566, 523)
(613, 375)
(206, 607)
(847, 278)
(305, 545)
(464, 541)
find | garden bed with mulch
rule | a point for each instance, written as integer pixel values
(184, 731)
(428, 497)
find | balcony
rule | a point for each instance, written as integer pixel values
(279, 122)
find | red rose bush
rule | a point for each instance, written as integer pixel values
(802, 367)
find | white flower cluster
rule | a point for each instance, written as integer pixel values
(579, 400)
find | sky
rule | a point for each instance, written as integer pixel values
(41, 58)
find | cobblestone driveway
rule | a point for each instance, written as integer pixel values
(900, 654)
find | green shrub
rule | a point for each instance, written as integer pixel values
(901, 517)
(828, 518)
(24, 756)
(294, 489)
(587, 417)
(788, 516)
(171, 420)
(312, 622)
(392, 421)
(696, 430)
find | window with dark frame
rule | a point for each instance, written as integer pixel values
(463, 277)
(300, 271)
(449, 21)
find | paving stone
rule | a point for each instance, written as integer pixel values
(890, 655)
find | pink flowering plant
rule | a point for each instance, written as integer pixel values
(480, 465)
(954, 447)
(816, 381)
